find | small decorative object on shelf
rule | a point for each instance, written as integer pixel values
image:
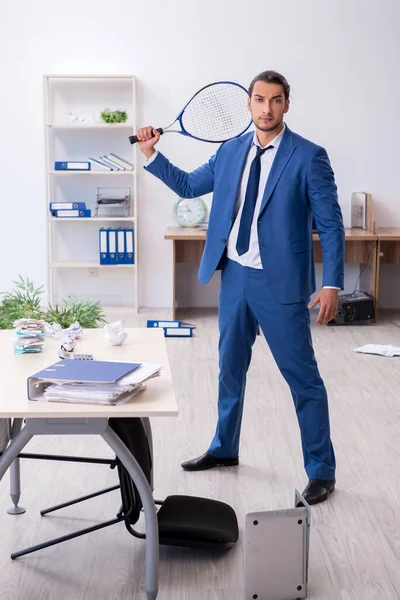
(190, 212)
(76, 119)
(114, 116)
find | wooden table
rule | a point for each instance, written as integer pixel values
(188, 246)
(45, 418)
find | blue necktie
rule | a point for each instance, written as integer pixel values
(243, 239)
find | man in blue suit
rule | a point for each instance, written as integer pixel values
(267, 185)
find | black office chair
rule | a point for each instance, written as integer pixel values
(182, 520)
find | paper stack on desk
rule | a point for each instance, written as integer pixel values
(91, 382)
(30, 335)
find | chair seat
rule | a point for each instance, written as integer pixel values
(192, 521)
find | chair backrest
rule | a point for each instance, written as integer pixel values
(133, 434)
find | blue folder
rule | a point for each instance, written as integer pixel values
(87, 371)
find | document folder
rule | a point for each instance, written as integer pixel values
(93, 371)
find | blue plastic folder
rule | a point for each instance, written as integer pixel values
(84, 371)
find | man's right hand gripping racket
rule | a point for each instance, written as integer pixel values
(216, 113)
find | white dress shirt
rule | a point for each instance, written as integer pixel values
(252, 258)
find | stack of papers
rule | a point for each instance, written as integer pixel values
(110, 394)
(381, 349)
(91, 382)
(30, 335)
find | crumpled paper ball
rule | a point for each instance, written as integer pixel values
(54, 330)
(74, 330)
(68, 343)
(114, 334)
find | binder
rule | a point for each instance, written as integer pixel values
(103, 246)
(121, 246)
(85, 371)
(78, 371)
(99, 166)
(71, 165)
(112, 246)
(65, 214)
(111, 164)
(178, 331)
(124, 163)
(67, 206)
(129, 250)
(165, 323)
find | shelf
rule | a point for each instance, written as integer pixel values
(90, 264)
(92, 172)
(90, 125)
(69, 272)
(122, 77)
(92, 219)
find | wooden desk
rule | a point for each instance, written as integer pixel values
(46, 418)
(188, 246)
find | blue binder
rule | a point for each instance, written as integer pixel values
(85, 371)
(68, 214)
(121, 246)
(112, 246)
(178, 331)
(71, 165)
(166, 323)
(103, 246)
(129, 247)
(67, 206)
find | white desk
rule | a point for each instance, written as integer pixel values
(42, 418)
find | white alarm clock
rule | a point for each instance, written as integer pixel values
(190, 212)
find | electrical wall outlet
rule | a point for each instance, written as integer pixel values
(93, 271)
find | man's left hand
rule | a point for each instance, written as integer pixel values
(328, 301)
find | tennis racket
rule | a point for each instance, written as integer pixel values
(216, 113)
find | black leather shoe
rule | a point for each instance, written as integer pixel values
(208, 461)
(318, 490)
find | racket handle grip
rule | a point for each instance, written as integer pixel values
(133, 138)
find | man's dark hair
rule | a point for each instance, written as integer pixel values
(271, 77)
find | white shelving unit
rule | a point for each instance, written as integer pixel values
(72, 243)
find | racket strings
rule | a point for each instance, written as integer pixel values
(217, 113)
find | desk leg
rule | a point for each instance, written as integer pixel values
(152, 548)
(15, 475)
(13, 449)
(173, 280)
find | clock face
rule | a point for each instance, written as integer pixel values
(190, 212)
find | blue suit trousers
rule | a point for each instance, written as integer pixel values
(245, 303)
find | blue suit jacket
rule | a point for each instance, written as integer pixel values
(300, 184)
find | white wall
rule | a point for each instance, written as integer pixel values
(341, 59)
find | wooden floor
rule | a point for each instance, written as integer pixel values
(355, 537)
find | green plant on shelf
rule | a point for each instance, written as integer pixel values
(114, 116)
(24, 301)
